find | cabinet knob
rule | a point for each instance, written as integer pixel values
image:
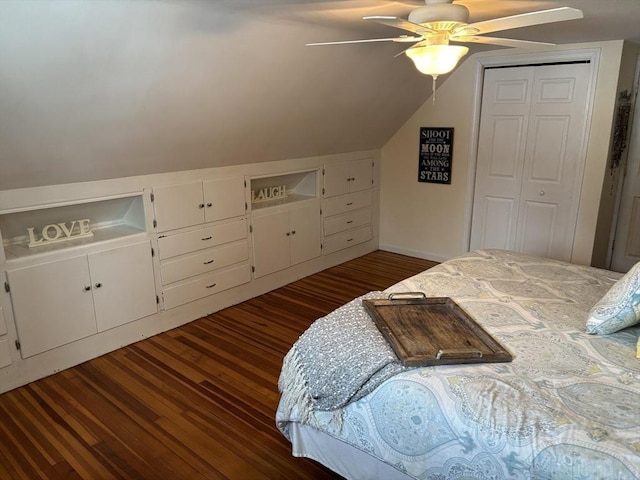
(209, 204)
(98, 285)
(201, 205)
(542, 193)
(293, 232)
(288, 233)
(87, 288)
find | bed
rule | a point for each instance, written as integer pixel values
(566, 407)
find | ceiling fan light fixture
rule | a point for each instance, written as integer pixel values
(436, 60)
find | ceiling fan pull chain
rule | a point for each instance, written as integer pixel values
(433, 95)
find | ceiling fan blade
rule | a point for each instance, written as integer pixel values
(401, 39)
(518, 21)
(400, 23)
(417, 45)
(503, 42)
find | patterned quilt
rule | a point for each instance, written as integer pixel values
(567, 407)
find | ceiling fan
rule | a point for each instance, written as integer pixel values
(439, 22)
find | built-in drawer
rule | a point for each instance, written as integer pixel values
(181, 243)
(188, 291)
(347, 239)
(346, 203)
(347, 221)
(202, 261)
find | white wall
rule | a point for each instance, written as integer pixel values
(432, 221)
(95, 90)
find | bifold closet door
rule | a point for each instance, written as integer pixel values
(531, 154)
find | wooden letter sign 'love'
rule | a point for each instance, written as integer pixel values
(59, 232)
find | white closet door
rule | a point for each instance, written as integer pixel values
(531, 158)
(504, 122)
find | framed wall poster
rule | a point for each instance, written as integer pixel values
(436, 149)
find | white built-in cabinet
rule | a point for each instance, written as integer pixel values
(194, 203)
(69, 279)
(347, 177)
(57, 302)
(285, 220)
(93, 266)
(285, 236)
(198, 263)
(347, 206)
(5, 354)
(202, 238)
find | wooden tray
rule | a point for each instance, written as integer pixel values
(433, 331)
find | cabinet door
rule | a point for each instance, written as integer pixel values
(305, 233)
(336, 179)
(178, 206)
(224, 198)
(52, 304)
(123, 284)
(361, 177)
(271, 234)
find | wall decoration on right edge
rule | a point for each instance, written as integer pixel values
(621, 128)
(436, 153)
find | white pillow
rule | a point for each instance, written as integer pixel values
(619, 308)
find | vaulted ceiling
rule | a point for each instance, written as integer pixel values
(111, 88)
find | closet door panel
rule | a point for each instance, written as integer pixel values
(554, 160)
(501, 150)
(539, 231)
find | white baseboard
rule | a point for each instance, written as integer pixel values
(414, 253)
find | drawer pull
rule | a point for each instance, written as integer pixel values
(207, 238)
(349, 239)
(207, 263)
(211, 286)
(350, 221)
(349, 204)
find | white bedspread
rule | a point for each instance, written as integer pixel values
(567, 407)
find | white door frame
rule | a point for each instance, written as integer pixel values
(591, 55)
(614, 253)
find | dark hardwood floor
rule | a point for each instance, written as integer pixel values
(196, 402)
